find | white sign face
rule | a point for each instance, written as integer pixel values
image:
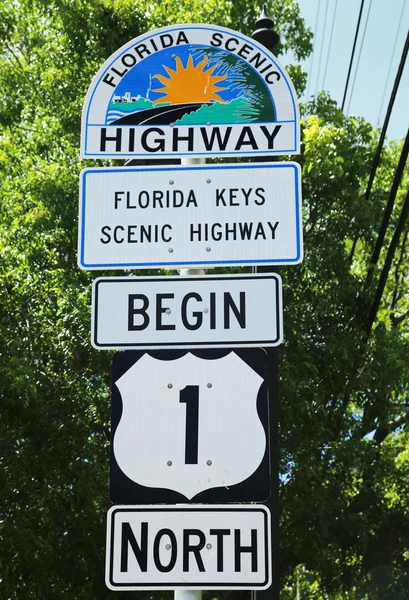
(190, 90)
(190, 216)
(190, 547)
(183, 423)
(187, 312)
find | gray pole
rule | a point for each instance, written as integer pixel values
(265, 34)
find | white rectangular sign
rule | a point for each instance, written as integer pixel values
(190, 547)
(187, 312)
(190, 216)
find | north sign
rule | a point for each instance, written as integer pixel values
(189, 547)
(187, 312)
(190, 90)
(189, 426)
(190, 216)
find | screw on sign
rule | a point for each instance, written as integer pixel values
(178, 423)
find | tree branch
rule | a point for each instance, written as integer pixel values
(382, 431)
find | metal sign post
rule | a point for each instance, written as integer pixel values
(184, 594)
(266, 35)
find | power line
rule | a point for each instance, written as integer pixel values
(353, 53)
(330, 43)
(388, 263)
(359, 56)
(389, 206)
(391, 61)
(322, 47)
(313, 50)
(387, 116)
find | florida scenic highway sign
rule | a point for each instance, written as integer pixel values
(190, 90)
(190, 216)
(186, 312)
(189, 547)
(179, 419)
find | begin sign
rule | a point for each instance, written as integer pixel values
(190, 216)
(186, 312)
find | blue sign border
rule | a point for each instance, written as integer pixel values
(192, 264)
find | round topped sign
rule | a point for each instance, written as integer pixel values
(190, 90)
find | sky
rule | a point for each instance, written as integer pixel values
(382, 35)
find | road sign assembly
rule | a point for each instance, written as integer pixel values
(191, 406)
(190, 216)
(179, 419)
(194, 312)
(190, 90)
(189, 547)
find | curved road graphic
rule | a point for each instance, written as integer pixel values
(161, 115)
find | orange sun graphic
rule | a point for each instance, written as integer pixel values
(190, 84)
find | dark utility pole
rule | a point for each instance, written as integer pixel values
(265, 35)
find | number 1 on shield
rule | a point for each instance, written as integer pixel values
(190, 396)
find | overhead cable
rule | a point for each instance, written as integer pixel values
(391, 61)
(313, 50)
(387, 117)
(322, 46)
(388, 264)
(389, 205)
(353, 53)
(330, 43)
(359, 56)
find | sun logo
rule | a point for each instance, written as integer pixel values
(190, 84)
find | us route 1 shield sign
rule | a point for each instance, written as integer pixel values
(190, 216)
(190, 90)
(190, 547)
(189, 427)
(187, 312)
